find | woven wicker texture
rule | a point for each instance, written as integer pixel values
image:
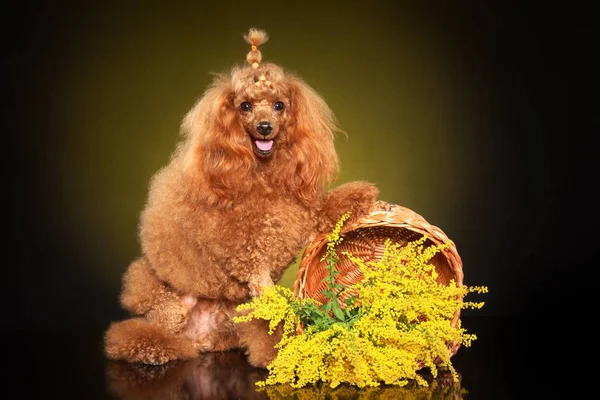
(365, 239)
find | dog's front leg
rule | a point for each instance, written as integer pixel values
(258, 281)
(358, 198)
(252, 270)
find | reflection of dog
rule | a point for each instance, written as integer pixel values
(211, 376)
(243, 193)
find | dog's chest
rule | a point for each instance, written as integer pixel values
(272, 218)
(270, 226)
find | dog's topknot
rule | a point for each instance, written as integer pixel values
(255, 37)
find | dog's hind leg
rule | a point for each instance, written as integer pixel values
(137, 340)
(144, 294)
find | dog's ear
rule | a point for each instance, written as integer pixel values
(311, 134)
(217, 151)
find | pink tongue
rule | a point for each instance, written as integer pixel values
(264, 145)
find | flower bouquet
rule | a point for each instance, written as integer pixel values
(383, 329)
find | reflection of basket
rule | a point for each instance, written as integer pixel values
(365, 239)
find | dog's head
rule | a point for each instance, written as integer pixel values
(260, 120)
(262, 98)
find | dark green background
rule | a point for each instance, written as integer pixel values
(472, 115)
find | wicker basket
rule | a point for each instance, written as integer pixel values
(365, 239)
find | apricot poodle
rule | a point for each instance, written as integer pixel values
(244, 191)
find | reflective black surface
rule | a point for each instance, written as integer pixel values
(512, 358)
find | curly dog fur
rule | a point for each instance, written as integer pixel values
(243, 193)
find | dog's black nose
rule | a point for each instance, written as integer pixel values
(264, 128)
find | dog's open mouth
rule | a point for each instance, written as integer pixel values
(263, 147)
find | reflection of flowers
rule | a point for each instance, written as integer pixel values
(397, 321)
(443, 387)
(211, 376)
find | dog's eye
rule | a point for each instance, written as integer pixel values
(278, 106)
(246, 106)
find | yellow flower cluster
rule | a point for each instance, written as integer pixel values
(334, 238)
(398, 323)
(273, 305)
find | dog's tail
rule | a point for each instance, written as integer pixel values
(255, 38)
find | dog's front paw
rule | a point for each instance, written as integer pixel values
(256, 283)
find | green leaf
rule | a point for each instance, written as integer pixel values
(339, 313)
